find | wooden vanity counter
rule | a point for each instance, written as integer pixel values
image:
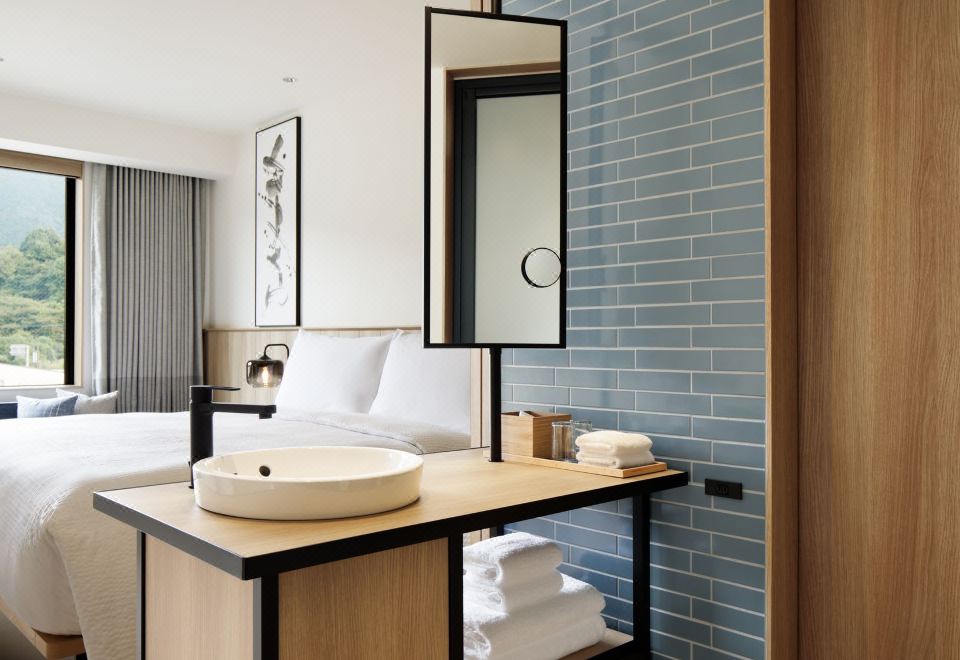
(284, 576)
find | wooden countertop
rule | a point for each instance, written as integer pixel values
(461, 491)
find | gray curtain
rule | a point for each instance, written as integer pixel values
(147, 235)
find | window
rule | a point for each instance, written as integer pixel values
(37, 212)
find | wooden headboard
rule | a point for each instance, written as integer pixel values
(226, 351)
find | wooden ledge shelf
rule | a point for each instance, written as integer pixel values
(51, 647)
(611, 640)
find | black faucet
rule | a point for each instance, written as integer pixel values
(202, 407)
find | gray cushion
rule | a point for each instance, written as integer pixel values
(59, 407)
(104, 404)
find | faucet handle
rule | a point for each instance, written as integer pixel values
(203, 394)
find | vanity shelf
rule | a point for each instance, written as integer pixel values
(281, 576)
(611, 640)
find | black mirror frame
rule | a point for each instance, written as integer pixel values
(562, 339)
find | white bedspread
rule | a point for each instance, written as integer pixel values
(65, 568)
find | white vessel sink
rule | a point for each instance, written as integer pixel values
(307, 483)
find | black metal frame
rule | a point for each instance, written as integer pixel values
(265, 569)
(70, 268)
(299, 251)
(141, 595)
(266, 618)
(429, 11)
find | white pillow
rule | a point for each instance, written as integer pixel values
(425, 385)
(332, 374)
(104, 404)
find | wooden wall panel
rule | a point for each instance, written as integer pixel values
(193, 610)
(780, 159)
(389, 604)
(879, 263)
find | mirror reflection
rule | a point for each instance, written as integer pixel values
(495, 175)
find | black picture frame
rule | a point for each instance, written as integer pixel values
(562, 312)
(289, 270)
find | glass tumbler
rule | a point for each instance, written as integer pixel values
(562, 441)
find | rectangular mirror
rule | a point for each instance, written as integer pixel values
(495, 181)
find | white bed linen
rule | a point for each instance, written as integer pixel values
(65, 568)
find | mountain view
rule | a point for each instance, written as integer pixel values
(32, 277)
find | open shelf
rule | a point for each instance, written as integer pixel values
(611, 639)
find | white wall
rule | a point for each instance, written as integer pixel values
(51, 128)
(361, 188)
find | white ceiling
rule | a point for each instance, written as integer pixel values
(212, 64)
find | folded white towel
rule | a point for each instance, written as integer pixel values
(491, 634)
(512, 558)
(561, 643)
(512, 597)
(613, 442)
(620, 461)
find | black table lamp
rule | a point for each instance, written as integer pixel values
(265, 371)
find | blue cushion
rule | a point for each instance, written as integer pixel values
(60, 407)
(8, 410)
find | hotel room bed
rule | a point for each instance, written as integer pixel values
(67, 568)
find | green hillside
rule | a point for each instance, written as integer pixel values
(29, 201)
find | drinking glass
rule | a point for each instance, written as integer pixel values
(562, 440)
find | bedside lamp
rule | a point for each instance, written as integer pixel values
(265, 371)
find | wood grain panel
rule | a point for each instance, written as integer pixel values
(611, 639)
(385, 605)
(20, 160)
(193, 610)
(780, 159)
(879, 263)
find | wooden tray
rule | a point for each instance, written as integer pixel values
(659, 466)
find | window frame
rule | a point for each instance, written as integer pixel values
(72, 171)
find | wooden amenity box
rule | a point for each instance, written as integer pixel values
(529, 435)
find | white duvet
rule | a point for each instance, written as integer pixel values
(67, 569)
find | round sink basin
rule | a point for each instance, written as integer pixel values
(307, 483)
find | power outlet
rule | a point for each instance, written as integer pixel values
(730, 489)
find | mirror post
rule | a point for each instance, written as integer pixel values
(495, 451)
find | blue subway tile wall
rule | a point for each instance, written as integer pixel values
(665, 319)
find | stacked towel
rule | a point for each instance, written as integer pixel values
(511, 559)
(512, 598)
(614, 449)
(518, 606)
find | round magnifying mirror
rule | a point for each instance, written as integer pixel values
(541, 267)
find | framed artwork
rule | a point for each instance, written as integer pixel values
(278, 225)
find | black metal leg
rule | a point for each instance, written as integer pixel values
(455, 594)
(141, 598)
(495, 446)
(641, 574)
(266, 618)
